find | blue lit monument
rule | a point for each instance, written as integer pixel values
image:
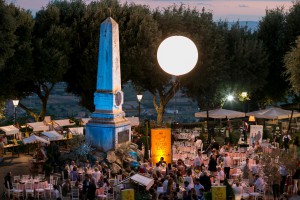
(108, 127)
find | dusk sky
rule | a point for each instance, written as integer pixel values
(230, 10)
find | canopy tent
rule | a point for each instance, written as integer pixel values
(220, 114)
(134, 121)
(10, 130)
(273, 113)
(84, 121)
(76, 130)
(34, 139)
(63, 122)
(38, 126)
(53, 135)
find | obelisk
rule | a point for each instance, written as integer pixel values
(108, 127)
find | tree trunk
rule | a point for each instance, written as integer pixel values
(160, 115)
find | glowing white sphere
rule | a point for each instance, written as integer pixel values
(177, 55)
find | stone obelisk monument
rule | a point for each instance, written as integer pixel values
(108, 127)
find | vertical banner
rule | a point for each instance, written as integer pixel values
(218, 192)
(161, 145)
(256, 133)
(127, 194)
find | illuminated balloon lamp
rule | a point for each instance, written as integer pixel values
(177, 55)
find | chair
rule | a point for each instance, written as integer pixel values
(75, 194)
(40, 191)
(10, 190)
(16, 178)
(29, 189)
(25, 177)
(102, 193)
(246, 192)
(119, 178)
(17, 191)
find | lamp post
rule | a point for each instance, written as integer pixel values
(139, 98)
(16, 103)
(244, 96)
(177, 55)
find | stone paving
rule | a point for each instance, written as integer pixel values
(17, 165)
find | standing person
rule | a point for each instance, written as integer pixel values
(246, 170)
(74, 176)
(227, 164)
(8, 181)
(212, 165)
(199, 145)
(286, 139)
(198, 160)
(221, 175)
(205, 181)
(91, 192)
(85, 186)
(283, 173)
(215, 144)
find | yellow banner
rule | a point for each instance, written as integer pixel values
(218, 192)
(161, 145)
(127, 194)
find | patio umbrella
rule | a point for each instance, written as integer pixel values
(34, 139)
(220, 114)
(273, 113)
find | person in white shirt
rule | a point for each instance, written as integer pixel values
(237, 190)
(227, 162)
(199, 145)
(96, 175)
(198, 159)
(259, 184)
(220, 174)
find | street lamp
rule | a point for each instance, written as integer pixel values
(245, 97)
(139, 98)
(16, 103)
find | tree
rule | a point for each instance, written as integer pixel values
(271, 32)
(292, 65)
(50, 57)
(14, 68)
(8, 26)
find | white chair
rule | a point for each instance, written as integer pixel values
(25, 177)
(16, 178)
(10, 190)
(246, 192)
(75, 194)
(18, 191)
(29, 190)
(40, 191)
(102, 193)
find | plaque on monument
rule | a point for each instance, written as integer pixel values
(123, 136)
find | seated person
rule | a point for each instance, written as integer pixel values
(237, 190)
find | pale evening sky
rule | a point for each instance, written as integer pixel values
(230, 10)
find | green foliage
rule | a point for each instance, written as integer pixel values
(292, 65)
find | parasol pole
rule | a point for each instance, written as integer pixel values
(290, 121)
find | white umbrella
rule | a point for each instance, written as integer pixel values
(34, 138)
(10, 130)
(220, 114)
(53, 135)
(273, 113)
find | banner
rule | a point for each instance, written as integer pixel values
(218, 192)
(161, 145)
(256, 133)
(127, 194)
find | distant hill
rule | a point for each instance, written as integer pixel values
(253, 25)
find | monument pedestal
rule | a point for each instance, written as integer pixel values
(105, 137)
